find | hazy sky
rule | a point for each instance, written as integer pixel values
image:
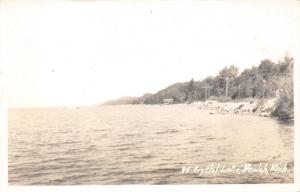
(77, 53)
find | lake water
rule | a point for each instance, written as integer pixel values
(144, 144)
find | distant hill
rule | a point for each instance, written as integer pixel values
(122, 101)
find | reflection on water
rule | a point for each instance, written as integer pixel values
(141, 144)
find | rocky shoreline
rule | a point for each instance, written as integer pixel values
(261, 107)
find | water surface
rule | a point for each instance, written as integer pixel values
(141, 144)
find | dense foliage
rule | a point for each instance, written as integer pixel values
(263, 81)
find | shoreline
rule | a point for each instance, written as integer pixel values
(260, 107)
(251, 106)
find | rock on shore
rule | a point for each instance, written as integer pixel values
(262, 107)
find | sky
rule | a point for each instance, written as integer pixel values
(65, 53)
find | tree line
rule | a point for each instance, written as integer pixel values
(262, 81)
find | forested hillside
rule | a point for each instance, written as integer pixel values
(262, 81)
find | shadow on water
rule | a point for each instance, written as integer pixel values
(286, 126)
(286, 130)
(288, 122)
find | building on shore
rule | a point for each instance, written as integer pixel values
(168, 101)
